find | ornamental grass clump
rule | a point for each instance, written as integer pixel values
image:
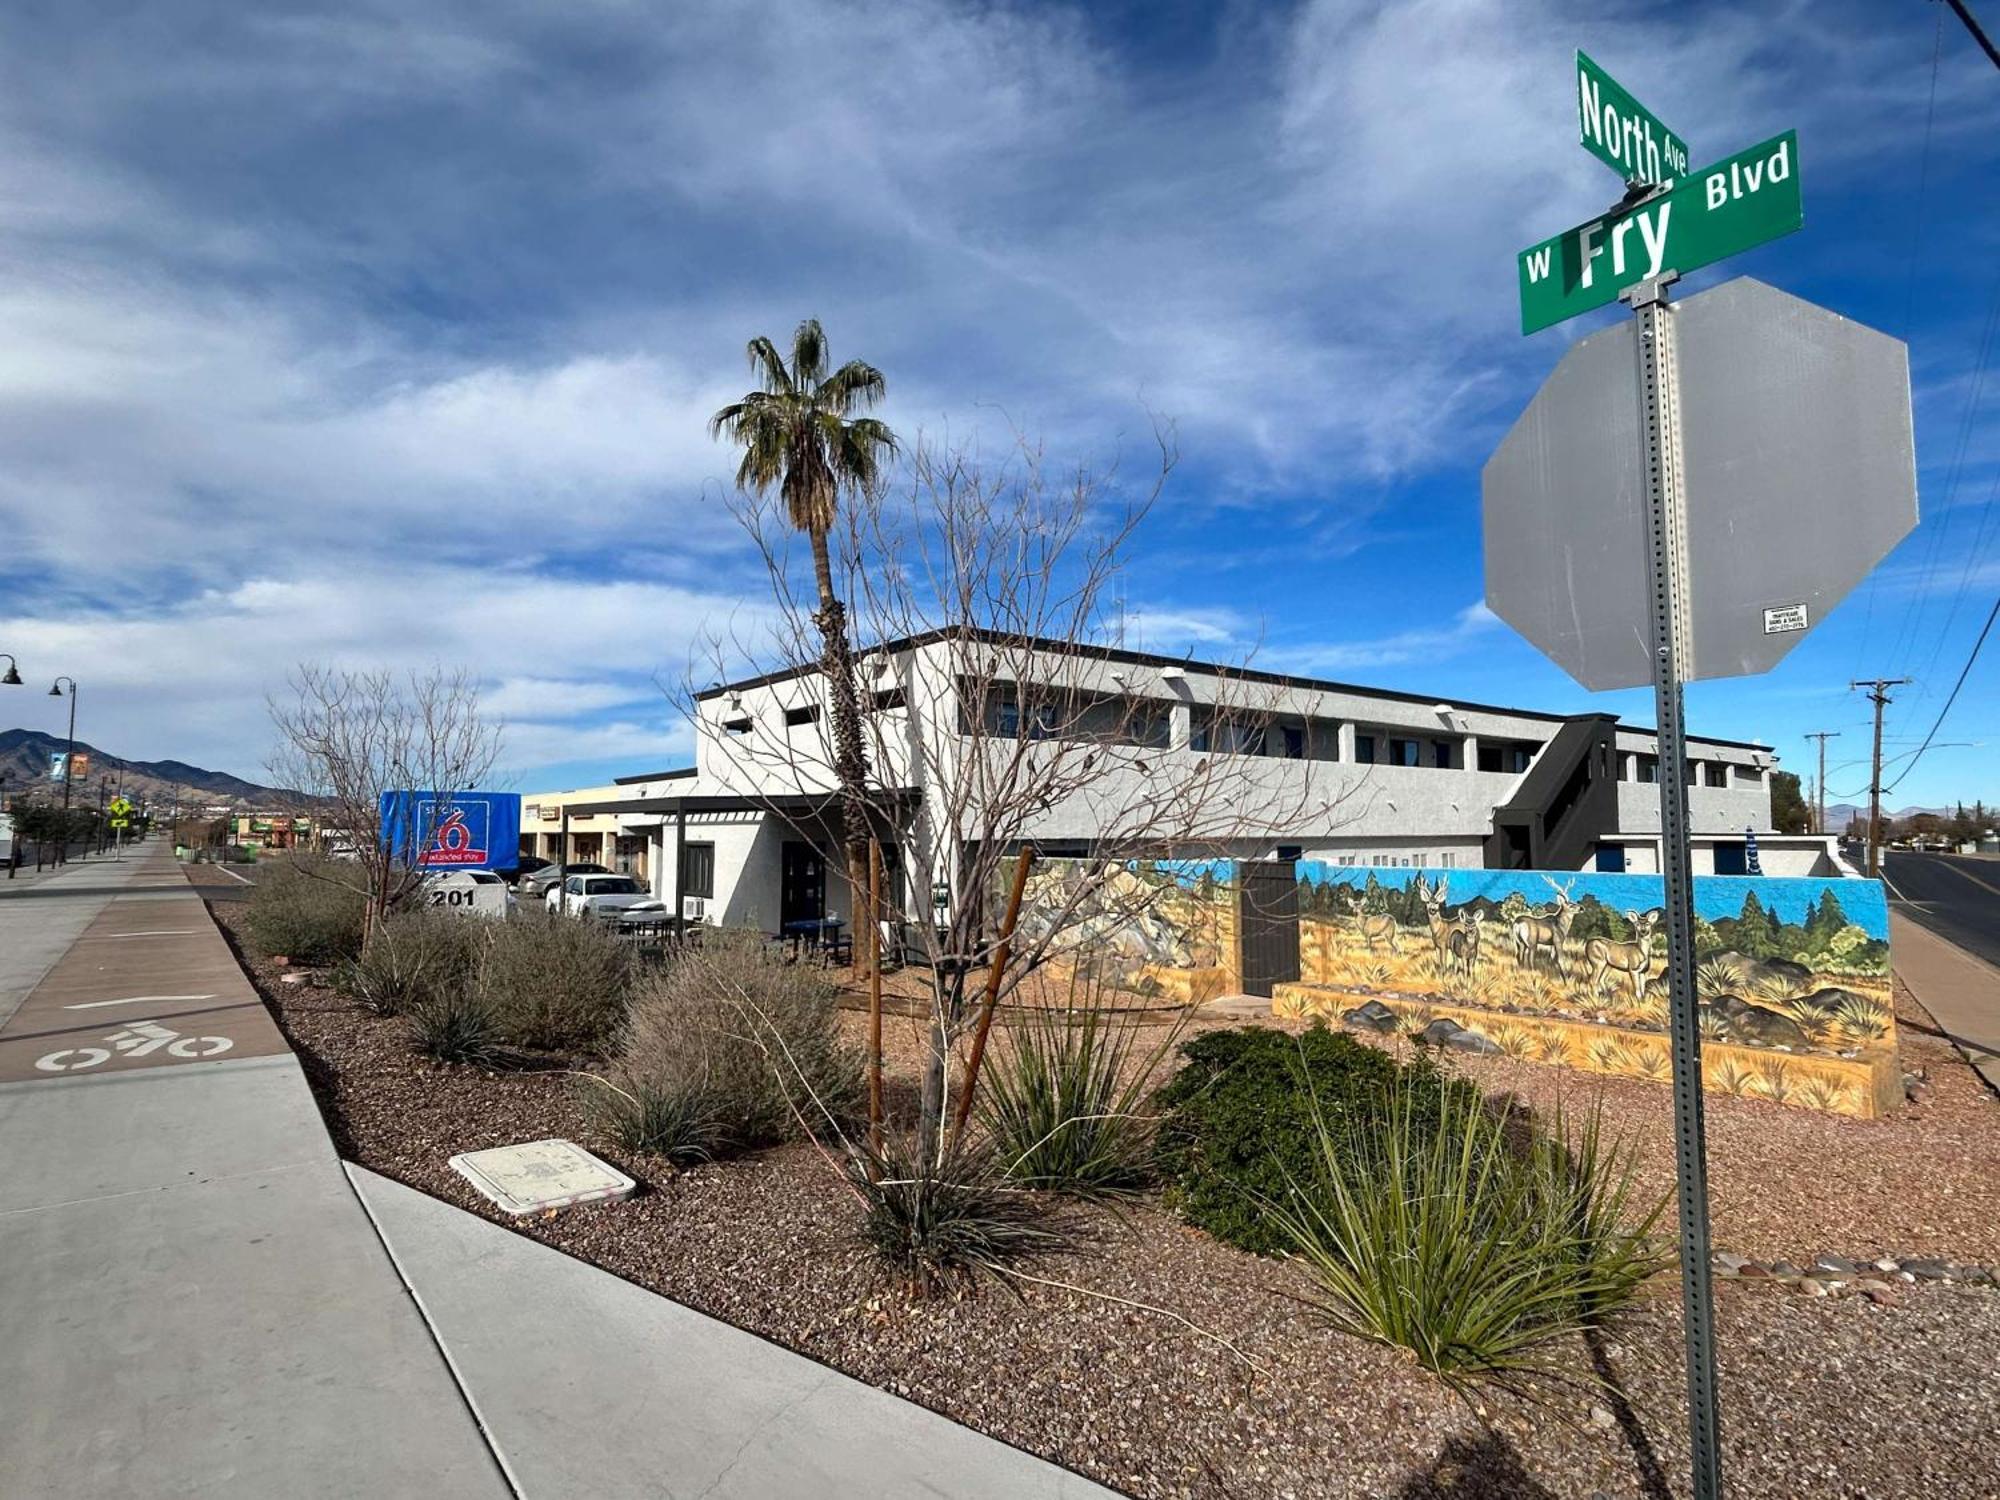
(739, 1046)
(457, 1027)
(1440, 1231)
(1065, 1102)
(554, 982)
(307, 909)
(418, 956)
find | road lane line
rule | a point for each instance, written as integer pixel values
(1967, 874)
(135, 1000)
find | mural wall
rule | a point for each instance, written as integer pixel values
(1162, 928)
(1792, 974)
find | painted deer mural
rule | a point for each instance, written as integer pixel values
(1463, 943)
(1446, 931)
(1374, 926)
(1548, 928)
(1634, 958)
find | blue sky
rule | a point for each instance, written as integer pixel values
(387, 333)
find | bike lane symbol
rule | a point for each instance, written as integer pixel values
(140, 1039)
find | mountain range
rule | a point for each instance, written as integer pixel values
(24, 763)
(1840, 814)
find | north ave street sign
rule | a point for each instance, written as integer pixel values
(1621, 132)
(1722, 210)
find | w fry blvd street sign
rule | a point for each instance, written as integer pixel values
(1720, 211)
(1621, 132)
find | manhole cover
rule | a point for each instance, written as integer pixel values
(539, 1175)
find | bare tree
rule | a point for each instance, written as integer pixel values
(347, 737)
(1006, 571)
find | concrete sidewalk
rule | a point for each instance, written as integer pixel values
(1960, 990)
(196, 1302)
(199, 1299)
(589, 1385)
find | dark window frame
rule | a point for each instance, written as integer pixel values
(697, 862)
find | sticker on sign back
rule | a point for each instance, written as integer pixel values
(1785, 619)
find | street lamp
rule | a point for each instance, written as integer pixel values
(13, 677)
(69, 756)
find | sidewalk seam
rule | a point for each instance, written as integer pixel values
(458, 1380)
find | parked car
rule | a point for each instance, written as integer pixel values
(609, 898)
(528, 864)
(539, 883)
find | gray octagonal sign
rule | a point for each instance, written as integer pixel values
(1800, 476)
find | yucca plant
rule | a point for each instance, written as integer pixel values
(1731, 1076)
(456, 1027)
(1437, 1235)
(1774, 1081)
(1065, 1105)
(939, 1219)
(678, 1122)
(1654, 1063)
(1717, 976)
(1555, 1047)
(1818, 1091)
(1862, 1017)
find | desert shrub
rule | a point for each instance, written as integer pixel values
(1438, 1231)
(554, 982)
(1242, 1118)
(1065, 1100)
(458, 1026)
(677, 1123)
(417, 956)
(731, 1032)
(308, 910)
(935, 1221)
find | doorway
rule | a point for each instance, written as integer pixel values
(801, 884)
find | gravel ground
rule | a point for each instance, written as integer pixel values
(1821, 1396)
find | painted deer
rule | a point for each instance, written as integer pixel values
(1548, 929)
(1634, 958)
(1463, 943)
(1444, 929)
(1374, 926)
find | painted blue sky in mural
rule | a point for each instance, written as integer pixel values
(1715, 896)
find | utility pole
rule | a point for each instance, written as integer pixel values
(1878, 694)
(1819, 819)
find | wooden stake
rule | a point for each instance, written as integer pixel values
(993, 977)
(875, 999)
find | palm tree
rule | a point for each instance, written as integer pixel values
(798, 434)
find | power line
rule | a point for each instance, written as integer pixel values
(1964, 14)
(1985, 630)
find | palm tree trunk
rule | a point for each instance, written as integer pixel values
(850, 762)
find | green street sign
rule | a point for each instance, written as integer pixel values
(1621, 132)
(1722, 210)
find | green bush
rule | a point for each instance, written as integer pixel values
(418, 956)
(1437, 1232)
(309, 910)
(1064, 1099)
(731, 1033)
(456, 1027)
(554, 982)
(1242, 1119)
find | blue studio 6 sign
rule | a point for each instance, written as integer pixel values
(459, 831)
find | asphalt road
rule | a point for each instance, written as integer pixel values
(1956, 896)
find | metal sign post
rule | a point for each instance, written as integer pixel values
(1667, 577)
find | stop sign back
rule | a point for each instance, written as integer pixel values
(1799, 471)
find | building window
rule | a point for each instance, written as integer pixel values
(1648, 768)
(1441, 754)
(1008, 722)
(1364, 749)
(886, 699)
(796, 717)
(1402, 752)
(1448, 860)
(737, 726)
(698, 870)
(1712, 774)
(1291, 851)
(1294, 743)
(1752, 774)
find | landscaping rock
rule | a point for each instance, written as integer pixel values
(1601, 1417)
(1807, 1287)
(1835, 1265)
(1753, 1270)
(1878, 1292)
(1729, 1263)
(1463, 1040)
(1785, 1268)
(1438, 1033)
(1374, 1016)
(1888, 1263)
(1744, 1022)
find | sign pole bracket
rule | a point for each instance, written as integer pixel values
(1667, 573)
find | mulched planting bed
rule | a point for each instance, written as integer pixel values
(1834, 1396)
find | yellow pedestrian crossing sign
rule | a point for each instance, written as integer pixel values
(121, 812)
